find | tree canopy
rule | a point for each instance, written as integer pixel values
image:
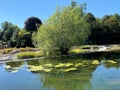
(68, 26)
(64, 29)
(32, 24)
(8, 31)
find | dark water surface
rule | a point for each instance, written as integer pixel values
(77, 74)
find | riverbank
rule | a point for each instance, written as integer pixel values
(91, 51)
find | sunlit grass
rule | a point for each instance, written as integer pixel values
(24, 55)
(77, 51)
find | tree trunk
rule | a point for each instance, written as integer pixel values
(64, 51)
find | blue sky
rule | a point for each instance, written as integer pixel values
(17, 11)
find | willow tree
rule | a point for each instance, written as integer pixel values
(64, 29)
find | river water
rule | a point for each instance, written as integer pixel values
(68, 74)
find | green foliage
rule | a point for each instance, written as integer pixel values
(24, 55)
(64, 29)
(24, 39)
(113, 24)
(67, 27)
(76, 51)
(105, 30)
(9, 31)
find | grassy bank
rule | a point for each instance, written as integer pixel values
(85, 49)
(24, 55)
(8, 50)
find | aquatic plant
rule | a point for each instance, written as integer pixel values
(47, 70)
(95, 62)
(70, 69)
(78, 64)
(36, 68)
(64, 65)
(111, 61)
(48, 65)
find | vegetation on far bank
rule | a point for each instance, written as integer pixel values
(68, 27)
(24, 55)
(28, 52)
(16, 50)
(84, 49)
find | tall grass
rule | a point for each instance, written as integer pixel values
(6, 51)
(24, 55)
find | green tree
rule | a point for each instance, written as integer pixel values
(91, 20)
(106, 17)
(89, 17)
(97, 32)
(64, 29)
(24, 39)
(113, 24)
(8, 30)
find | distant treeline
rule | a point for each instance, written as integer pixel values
(104, 30)
(16, 37)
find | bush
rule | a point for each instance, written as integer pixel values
(24, 55)
(77, 51)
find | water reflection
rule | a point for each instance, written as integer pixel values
(89, 75)
(69, 81)
(13, 66)
(33, 62)
(112, 65)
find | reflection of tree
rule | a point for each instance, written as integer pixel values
(33, 62)
(112, 65)
(69, 81)
(13, 66)
(42, 62)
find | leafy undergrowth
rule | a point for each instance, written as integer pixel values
(24, 55)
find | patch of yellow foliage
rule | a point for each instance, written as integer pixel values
(95, 62)
(70, 69)
(111, 61)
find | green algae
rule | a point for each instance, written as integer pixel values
(48, 65)
(95, 62)
(78, 64)
(70, 69)
(60, 65)
(111, 61)
(36, 68)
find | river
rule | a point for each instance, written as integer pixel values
(68, 74)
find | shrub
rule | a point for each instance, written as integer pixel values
(77, 51)
(24, 55)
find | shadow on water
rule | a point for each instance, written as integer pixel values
(98, 55)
